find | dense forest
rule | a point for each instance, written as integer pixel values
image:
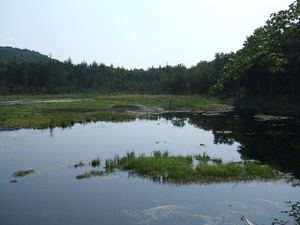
(267, 66)
(54, 77)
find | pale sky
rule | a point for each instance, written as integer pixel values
(133, 33)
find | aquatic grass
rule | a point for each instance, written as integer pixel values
(80, 164)
(219, 171)
(180, 169)
(64, 111)
(22, 173)
(92, 173)
(113, 163)
(96, 162)
(206, 158)
(158, 153)
(176, 168)
(235, 171)
(203, 158)
(259, 171)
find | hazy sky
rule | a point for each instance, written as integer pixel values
(133, 33)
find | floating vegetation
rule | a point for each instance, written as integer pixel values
(13, 181)
(22, 173)
(263, 117)
(179, 169)
(80, 164)
(96, 162)
(92, 173)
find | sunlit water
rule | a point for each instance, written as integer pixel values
(53, 195)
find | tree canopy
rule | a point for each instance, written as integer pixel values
(269, 47)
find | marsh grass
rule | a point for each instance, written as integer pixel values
(206, 158)
(22, 173)
(113, 163)
(96, 162)
(64, 111)
(158, 153)
(179, 169)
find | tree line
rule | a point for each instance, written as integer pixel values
(55, 77)
(266, 66)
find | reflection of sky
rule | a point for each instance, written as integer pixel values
(106, 139)
(54, 196)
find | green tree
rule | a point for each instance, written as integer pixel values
(263, 47)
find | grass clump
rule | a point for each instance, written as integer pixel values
(113, 163)
(22, 173)
(179, 169)
(206, 158)
(96, 162)
(158, 153)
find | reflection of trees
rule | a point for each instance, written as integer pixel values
(178, 122)
(276, 143)
(223, 138)
(279, 149)
(177, 119)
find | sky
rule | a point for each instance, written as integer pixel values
(133, 33)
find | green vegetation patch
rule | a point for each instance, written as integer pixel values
(57, 111)
(93, 173)
(206, 158)
(96, 162)
(180, 169)
(80, 164)
(263, 117)
(22, 173)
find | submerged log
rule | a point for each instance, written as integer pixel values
(247, 221)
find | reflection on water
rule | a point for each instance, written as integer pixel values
(53, 195)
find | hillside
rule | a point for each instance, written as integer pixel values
(21, 55)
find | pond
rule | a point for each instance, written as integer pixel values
(53, 195)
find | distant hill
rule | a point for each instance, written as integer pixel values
(21, 55)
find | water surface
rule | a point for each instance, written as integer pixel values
(53, 195)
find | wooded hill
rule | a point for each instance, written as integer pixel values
(267, 67)
(21, 55)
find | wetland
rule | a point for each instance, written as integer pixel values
(88, 171)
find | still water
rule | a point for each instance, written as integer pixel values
(53, 195)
